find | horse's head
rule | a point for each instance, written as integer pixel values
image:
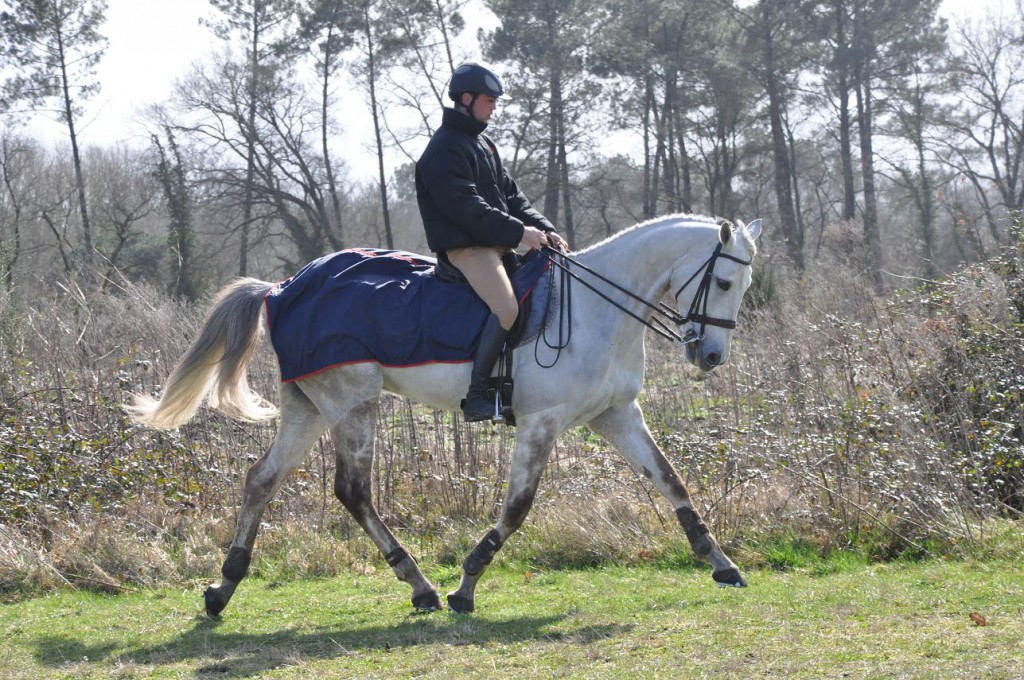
(713, 294)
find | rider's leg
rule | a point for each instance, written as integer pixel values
(485, 272)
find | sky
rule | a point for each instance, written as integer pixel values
(154, 42)
(151, 43)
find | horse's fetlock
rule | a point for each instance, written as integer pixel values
(396, 556)
(702, 546)
(697, 532)
(402, 563)
(483, 553)
(236, 566)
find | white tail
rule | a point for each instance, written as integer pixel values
(214, 367)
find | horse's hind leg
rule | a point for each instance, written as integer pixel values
(353, 443)
(624, 427)
(300, 427)
(534, 440)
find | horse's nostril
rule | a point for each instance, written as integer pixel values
(713, 359)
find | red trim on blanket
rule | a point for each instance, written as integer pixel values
(372, 361)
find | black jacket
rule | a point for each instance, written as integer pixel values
(465, 196)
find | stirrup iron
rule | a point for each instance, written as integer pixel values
(499, 415)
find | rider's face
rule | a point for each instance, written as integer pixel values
(483, 107)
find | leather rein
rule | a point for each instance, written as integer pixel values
(662, 316)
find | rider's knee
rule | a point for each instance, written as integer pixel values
(506, 313)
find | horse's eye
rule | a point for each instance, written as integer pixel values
(723, 284)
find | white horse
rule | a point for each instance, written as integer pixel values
(704, 264)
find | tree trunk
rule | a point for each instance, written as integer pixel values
(377, 135)
(563, 163)
(69, 118)
(795, 173)
(845, 124)
(780, 156)
(250, 149)
(552, 181)
(335, 234)
(864, 118)
(648, 200)
(927, 213)
(671, 174)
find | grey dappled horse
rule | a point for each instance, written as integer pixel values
(594, 382)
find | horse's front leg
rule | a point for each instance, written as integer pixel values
(625, 428)
(534, 439)
(301, 425)
(353, 444)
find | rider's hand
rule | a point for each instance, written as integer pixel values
(534, 238)
(556, 241)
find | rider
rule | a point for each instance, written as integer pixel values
(474, 213)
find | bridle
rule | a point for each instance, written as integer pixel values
(698, 312)
(662, 318)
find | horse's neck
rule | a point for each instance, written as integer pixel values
(642, 259)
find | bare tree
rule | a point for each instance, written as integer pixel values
(985, 133)
(550, 45)
(124, 201)
(283, 176)
(17, 155)
(51, 48)
(257, 24)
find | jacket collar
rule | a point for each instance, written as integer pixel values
(462, 122)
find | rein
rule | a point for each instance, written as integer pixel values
(662, 315)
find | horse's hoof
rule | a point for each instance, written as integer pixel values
(215, 603)
(729, 578)
(427, 602)
(459, 604)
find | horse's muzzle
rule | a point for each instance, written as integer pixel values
(703, 358)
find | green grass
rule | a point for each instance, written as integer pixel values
(894, 620)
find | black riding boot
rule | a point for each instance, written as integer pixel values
(476, 405)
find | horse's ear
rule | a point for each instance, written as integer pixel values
(753, 229)
(724, 231)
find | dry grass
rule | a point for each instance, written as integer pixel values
(887, 424)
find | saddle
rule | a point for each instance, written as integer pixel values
(394, 308)
(447, 272)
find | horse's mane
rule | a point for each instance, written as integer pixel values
(688, 218)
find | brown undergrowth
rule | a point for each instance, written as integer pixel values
(889, 425)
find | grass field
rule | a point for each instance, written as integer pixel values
(896, 620)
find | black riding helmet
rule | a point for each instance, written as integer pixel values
(476, 79)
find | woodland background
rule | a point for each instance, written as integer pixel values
(874, 398)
